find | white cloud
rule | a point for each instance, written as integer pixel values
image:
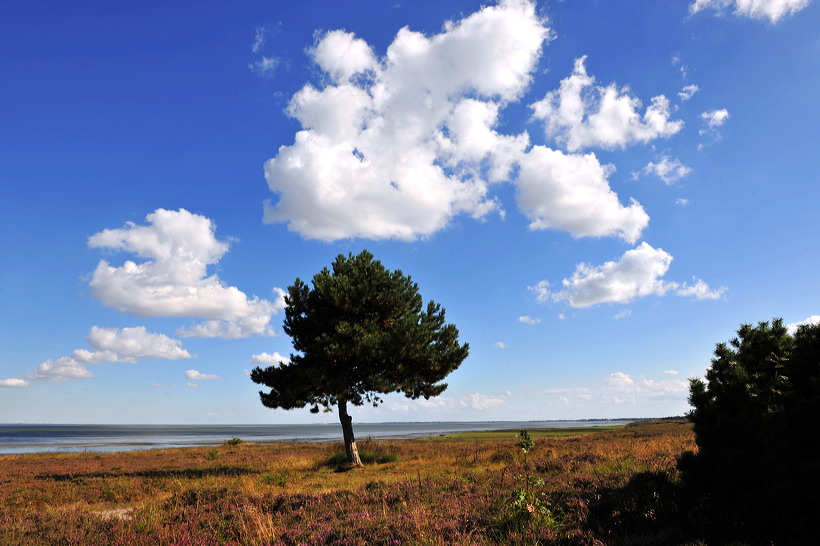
(500, 344)
(688, 92)
(64, 368)
(571, 193)
(622, 314)
(668, 170)
(681, 201)
(581, 115)
(700, 290)
(266, 66)
(195, 375)
(399, 153)
(773, 10)
(342, 55)
(671, 372)
(542, 292)
(156, 385)
(480, 401)
(110, 345)
(526, 319)
(135, 343)
(715, 118)
(259, 39)
(191, 385)
(177, 247)
(396, 147)
(637, 274)
(13, 383)
(266, 359)
(619, 380)
(812, 320)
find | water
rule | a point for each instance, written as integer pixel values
(109, 438)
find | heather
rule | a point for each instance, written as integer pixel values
(611, 486)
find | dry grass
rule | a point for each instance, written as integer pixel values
(435, 492)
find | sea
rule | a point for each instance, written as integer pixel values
(33, 438)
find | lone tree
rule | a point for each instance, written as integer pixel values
(757, 471)
(360, 332)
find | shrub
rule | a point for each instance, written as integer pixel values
(756, 474)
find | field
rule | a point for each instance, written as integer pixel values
(611, 486)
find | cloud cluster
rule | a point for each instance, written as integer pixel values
(397, 146)
(773, 10)
(637, 274)
(110, 345)
(172, 280)
(810, 321)
(581, 115)
(667, 169)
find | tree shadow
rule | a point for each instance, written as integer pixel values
(189, 473)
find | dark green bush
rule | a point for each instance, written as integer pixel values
(756, 476)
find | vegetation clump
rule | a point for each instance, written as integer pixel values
(606, 487)
(360, 332)
(756, 474)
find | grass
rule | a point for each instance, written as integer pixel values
(535, 433)
(613, 485)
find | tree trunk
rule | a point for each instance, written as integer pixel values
(347, 431)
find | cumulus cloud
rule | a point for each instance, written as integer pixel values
(570, 192)
(266, 359)
(172, 281)
(715, 118)
(133, 343)
(480, 401)
(619, 380)
(688, 92)
(64, 368)
(500, 345)
(637, 274)
(542, 292)
(195, 375)
(811, 321)
(13, 383)
(390, 155)
(526, 319)
(397, 146)
(582, 115)
(667, 169)
(773, 10)
(110, 345)
(700, 290)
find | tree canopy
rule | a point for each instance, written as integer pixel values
(361, 331)
(757, 471)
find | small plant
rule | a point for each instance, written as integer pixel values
(525, 442)
(276, 478)
(234, 441)
(214, 455)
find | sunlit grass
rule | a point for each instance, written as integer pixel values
(454, 490)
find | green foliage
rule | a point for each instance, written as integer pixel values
(214, 455)
(525, 442)
(339, 460)
(360, 332)
(756, 473)
(233, 441)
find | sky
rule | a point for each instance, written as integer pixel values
(596, 192)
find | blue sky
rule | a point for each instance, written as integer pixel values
(597, 192)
